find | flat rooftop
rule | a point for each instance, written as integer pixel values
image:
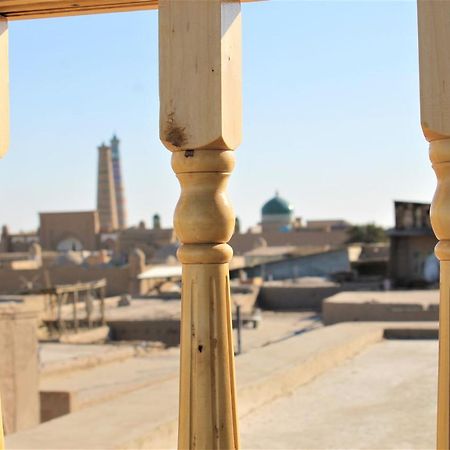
(381, 306)
(422, 297)
(335, 387)
(384, 398)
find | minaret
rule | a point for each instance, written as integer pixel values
(119, 190)
(106, 195)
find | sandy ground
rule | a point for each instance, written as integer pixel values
(384, 398)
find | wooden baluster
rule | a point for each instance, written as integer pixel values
(440, 217)
(207, 398)
(2, 441)
(4, 87)
(434, 59)
(200, 122)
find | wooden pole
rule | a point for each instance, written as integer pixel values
(75, 312)
(59, 298)
(89, 307)
(200, 122)
(52, 304)
(434, 63)
(4, 121)
(4, 87)
(2, 440)
(239, 329)
(102, 305)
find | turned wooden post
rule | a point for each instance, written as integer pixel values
(2, 440)
(4, 87)
(4, 125)
(434, 59)
(200, 122)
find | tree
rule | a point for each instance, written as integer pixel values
(368, 234)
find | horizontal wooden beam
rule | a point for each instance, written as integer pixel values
(76, 287)
(37, 9)
(32, 9)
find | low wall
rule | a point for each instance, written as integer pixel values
(15, 281)
(19, 371)
(291, 298)
(385, 306)
(117, 278)
(165, 331)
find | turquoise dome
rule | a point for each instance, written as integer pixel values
(277, 206)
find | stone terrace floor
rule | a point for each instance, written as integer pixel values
(384, 398)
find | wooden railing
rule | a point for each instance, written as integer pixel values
(434, 58)
(200, 122)
(61, 295)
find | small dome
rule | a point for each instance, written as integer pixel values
(277, 206)
(69, 258)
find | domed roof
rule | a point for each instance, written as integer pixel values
(69, 258)
(277, 206)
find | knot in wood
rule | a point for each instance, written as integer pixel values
(203, 161)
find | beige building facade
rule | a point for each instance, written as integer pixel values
(412, 244)
(69, 231)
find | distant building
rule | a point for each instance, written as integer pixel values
(96, 230)
(111, 203)
(279, 228)
(150, 240)
(16, 242)
(370, 260)
(412, 243)
(277, 215)
(118, 184)
(69, 231)
(316, 264)
(106, 191)
(156, 222)
(330, 224)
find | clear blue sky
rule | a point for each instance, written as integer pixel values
(331, 113)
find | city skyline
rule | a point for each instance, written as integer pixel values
(348, 140)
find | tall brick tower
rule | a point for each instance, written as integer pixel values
(118, 184)
(106, 194)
